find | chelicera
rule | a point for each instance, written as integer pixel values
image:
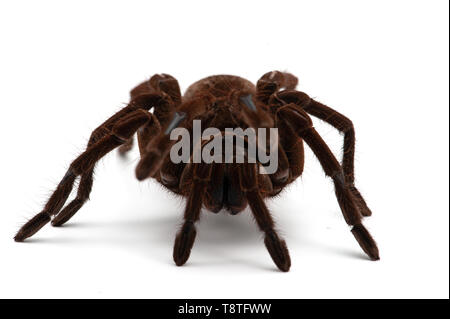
(221, 101)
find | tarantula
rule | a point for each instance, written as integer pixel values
(220, 101)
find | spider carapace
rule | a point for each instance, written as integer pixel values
(220, 102)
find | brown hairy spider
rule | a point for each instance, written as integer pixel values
(221, 101)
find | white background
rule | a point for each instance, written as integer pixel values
(65, 67)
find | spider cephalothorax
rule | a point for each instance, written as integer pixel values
(220, 102)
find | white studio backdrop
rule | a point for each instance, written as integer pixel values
(67, 66)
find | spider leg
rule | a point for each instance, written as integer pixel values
(121, 131)
(300, 122)
(343, 125)
(248, 178)
(186, 236)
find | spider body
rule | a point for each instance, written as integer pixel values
(221, 102)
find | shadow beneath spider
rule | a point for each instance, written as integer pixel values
(222, 239)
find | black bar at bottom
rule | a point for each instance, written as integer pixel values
(222, 308)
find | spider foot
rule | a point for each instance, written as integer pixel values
(183, 243)
(32, 226)
(366, 241)
(278, 250)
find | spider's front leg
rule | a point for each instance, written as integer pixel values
(247, 175)
(199, 176)
(300, 123)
